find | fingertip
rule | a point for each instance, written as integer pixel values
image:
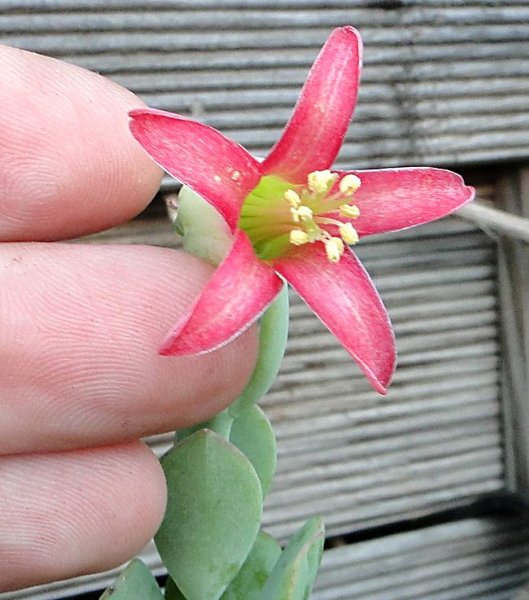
(76, 512)
(82, 327)
(69, 163)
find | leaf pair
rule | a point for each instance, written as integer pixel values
(267, 573)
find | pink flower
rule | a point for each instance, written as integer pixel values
(291, 216)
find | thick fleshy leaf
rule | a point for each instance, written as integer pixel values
(393, 199)
(217, 168)
(204, 231)
(343, 296)
(253, 575)
(213, 514)
(252, 433)
(314, 134)
(273, 334)
(136, 582)
(234, 297)
(295, 572)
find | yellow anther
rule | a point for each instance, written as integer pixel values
(349, 184)
(292, 198)
(294, 214)
(304, 213)
(321, 181)
(349, 234)
(298, 237)
(334, 249)
(350, 210)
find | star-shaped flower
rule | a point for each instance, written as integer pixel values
(291, 216)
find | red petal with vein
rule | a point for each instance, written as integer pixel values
(345, 299)
(393, 199)
(237, 293)
(314, 134)
(215, 167)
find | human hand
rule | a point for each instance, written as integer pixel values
(80, 376)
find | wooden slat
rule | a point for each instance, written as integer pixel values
(474, 559)
(514, 298)
(444, 82)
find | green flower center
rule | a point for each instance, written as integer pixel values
(278, 216)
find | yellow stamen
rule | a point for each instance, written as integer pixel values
(334, 249)
(304, 213)
(292, 198)
(349, 184)
(298, 237)
(312, 207)
(349, 234)
(294, 214)
(320, 181)
(350, 210)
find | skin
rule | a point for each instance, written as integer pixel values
(80, 376)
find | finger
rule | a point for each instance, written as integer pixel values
(69, 164)
(81, 329)
(71, 513)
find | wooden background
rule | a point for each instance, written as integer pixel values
(413, 486)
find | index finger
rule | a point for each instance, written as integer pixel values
(68, 164)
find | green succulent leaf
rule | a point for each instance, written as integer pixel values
(295, 572)
(252, 433)
(135, 582)
(204, 230)
(255, 571)
(273, 334)
(213, 514)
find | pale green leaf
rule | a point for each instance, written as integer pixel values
(252, 433)
(295, 572)
(205, 232)
(135, 582)
(213, 514)
(254, 573)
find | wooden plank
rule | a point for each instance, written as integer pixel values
(444, 82)
(220, 14)
(469, 559)
(514, 299)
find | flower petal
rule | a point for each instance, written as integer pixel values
(393, 199)
(345, 299)
(313, 136)
(215, 167)
(234, 297)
